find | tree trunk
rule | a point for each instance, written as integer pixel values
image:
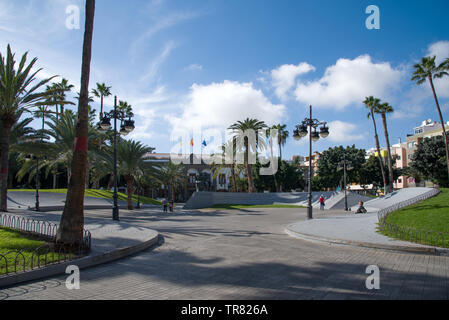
(390, 159)
(111, 182)
(442, 124)
(7, 125)
(234, 181)
(54, 180)
(280, 152)
(378, 150)
(71, 226)
(101, 111)
(130, 188)
(249, 174)
(276, 185)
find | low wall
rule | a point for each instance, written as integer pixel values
(201, 200)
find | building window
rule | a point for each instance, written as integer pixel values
(399, 180)
(192, 178)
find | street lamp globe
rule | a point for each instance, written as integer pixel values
(315, 136)
(303, 130)
(105, 124)
(324, 132)
(296, 135)
(129, 125)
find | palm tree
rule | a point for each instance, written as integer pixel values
(61, 88)
(222, 162)
(372, 103)
(125, 109)
(383, 109)
(241, 129)
(172, 175)
(427, 70)
(271, 150)
(130, 156)
(71, 227)
(100, 92)
(283, 135)
(17, 94)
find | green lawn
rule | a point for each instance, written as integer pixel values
(238, 206)
(104, 194)
(13, 241)
(429, 215)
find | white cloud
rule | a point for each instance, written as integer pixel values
(441, 51)
(161, 23)
(349, 82)
(158, 61)
(194, 67)
(340, 132)
(219, 105)
(283, 78)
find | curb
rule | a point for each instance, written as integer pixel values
(407, 249)
(82, 263)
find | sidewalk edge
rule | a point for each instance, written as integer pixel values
(82, 263)
(407, 249)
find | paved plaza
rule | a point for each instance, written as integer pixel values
(244, 254)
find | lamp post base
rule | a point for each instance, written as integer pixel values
(115, 214)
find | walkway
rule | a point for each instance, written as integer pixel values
(245, 254)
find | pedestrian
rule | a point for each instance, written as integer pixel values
(322, 204)
(361, 208)
(164, 203)
(172, 205)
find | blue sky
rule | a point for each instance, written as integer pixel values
(185, 65)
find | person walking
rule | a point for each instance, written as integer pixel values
(165, 204)
(172, 205)
(322, 203)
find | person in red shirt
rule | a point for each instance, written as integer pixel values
(322, 204)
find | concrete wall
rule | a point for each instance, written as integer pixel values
(208, 199)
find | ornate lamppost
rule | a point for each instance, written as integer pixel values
(300, 132)
(345, 165)
(126, 127)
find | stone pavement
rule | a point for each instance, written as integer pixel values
(244, 254)
(110, 241)
(361, 229)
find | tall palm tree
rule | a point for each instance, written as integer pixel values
(61, 88)
(383, 109)
(17, 94)
(101, 92)
(271, 150)
(240, 130)
(130, 161)
(427, 70)
(71, 227)
(372, 103)
(283, 135)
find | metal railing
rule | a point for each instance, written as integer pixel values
(383, 214)
(427, 237)
(433, 238)
(50, 253)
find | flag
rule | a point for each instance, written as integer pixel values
(191, 143)
(205, 143)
